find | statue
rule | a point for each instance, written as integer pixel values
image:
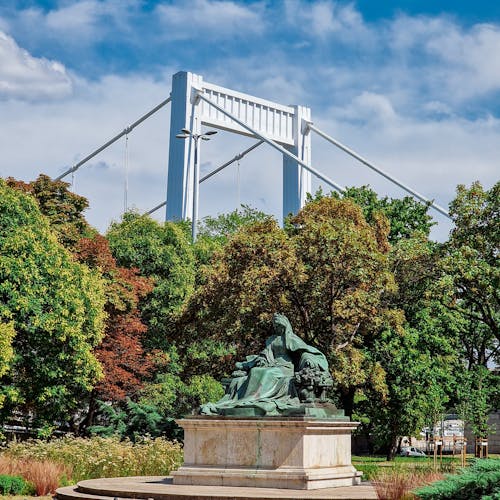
(287, 378)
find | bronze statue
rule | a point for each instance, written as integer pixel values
(286, 377)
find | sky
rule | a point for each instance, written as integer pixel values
(414, 86)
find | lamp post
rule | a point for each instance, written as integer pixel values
(185, 133)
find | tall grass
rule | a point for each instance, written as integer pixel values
(102, 457)
(45, 476)
(396, 484)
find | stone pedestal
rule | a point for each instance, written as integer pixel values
(273, 452)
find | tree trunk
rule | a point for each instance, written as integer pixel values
(391, 452)
(347, 400)
(90, 416)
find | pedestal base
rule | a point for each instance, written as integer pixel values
(272, 452)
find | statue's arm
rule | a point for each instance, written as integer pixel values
(248, 364)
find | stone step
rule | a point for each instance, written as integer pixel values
(161, 488)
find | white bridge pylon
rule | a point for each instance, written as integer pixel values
(196, 103)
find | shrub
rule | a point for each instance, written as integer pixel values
(103, 457)
(12, 485)
(480, 480)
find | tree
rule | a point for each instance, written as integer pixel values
(469, 284)
(407, 216)
(63, 208)
(328, 272)
(214, 233)
(478, 395)
(124, 362)
(56, 307)
(7, 334)
(163, 253)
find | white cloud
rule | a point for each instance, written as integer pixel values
(325, 18)
(78, 19)
(455, 63)
(72, 24)
(23, 76)
(212, 19)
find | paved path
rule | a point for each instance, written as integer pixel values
(161, 488)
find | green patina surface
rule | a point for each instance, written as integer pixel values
(287, 378)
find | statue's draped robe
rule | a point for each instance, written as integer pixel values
(267, 383)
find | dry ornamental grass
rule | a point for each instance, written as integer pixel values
(397, 484)
(45, 476)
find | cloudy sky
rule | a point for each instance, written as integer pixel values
(413, 85)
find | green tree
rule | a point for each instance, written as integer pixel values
(407, 216)
(64, 209)
(7, 334)
(469, 284)
(478, 395)
(163, 253)
(56, 307)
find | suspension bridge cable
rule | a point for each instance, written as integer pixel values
(238, 157)
(125, 131)
(364, 161)
(125, 180)
(275, 145)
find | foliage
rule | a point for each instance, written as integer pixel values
(417, 374)
(470, 275)
(124, 362)
(103, 457)
(224, 225)
(13, 485)
(7, 334)
(174, 397)
(161, 252)
(414, 262)
(135, 421)
(478, 394)
(327, 272)
(482, 479)
(215, 231)
(42, 477)
(407, 216)
(56, 307)
(63, 208)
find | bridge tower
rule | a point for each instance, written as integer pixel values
(285, 125)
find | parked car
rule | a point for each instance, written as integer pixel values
(411, 451)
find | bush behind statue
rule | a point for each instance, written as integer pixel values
(103, 457)
(481, 481)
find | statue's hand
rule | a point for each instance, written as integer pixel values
(238, 365)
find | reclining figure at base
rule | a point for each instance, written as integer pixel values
(287, 374)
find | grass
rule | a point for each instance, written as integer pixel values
(26, 497)
(396, 484)
(50, 464)
(372, 465)
(102, 457)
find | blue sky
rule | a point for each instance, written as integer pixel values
(412, 85)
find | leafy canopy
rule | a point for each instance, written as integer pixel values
(56, 307)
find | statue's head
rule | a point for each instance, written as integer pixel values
(281, 323)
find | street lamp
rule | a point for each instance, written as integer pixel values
(186, 133)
